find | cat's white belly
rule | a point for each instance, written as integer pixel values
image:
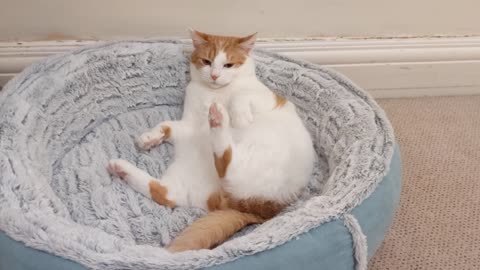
(272, 159)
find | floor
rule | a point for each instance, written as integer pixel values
(437, 225)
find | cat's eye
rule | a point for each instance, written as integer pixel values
(206, 62)
(229, 65)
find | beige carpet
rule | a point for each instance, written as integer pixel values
(437, 225)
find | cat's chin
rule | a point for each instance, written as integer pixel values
(216, 86)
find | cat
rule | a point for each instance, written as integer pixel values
(241, 151)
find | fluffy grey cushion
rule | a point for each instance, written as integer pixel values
(63, 118)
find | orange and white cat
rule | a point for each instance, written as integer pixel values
(241, 151)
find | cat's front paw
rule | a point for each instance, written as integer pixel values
(241, 113)
(148, 140)
(154, 137)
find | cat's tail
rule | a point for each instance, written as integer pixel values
(213, 229)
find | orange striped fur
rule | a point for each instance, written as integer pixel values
(280, 101)
(208, 46)
(159, 194)
(222, 162)
(228, 215)
(212, 230)
(167, 131)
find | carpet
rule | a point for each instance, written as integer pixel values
(437, 224)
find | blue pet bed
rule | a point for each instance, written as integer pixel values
(64, 117)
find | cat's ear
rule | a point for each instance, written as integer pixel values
(248, 42)
(198, 38)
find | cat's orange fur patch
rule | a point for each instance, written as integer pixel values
(222, 162)
(159, 194)
(265, 209)
(212, 230)
(228, 215)
(280, 101)
(216, 201)
(167, 132)
(213, 45)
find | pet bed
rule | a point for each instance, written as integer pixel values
(63, 118)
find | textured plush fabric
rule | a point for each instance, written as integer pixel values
(330, 245)
(63, 118)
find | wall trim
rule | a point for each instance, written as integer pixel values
(387, 68)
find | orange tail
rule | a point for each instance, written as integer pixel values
(212, 230)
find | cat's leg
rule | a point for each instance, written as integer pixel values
(141, 181)
(221, 138)
(165, 131)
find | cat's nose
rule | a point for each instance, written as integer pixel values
(214, 76)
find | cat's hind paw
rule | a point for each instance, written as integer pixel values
(117, 167)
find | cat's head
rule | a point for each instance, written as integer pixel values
(219, 59)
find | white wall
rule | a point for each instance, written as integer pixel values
(114, 19)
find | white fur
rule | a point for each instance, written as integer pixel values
(136, 178)
(272, 152)
(217, 68)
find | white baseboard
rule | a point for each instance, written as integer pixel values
(387, 68)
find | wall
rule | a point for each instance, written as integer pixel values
(397, 67)
(118, 19)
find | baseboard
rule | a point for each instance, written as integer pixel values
(390, 68)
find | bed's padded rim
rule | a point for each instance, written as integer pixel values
(328, 246)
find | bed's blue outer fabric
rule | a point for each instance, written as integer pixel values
(326, 247)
